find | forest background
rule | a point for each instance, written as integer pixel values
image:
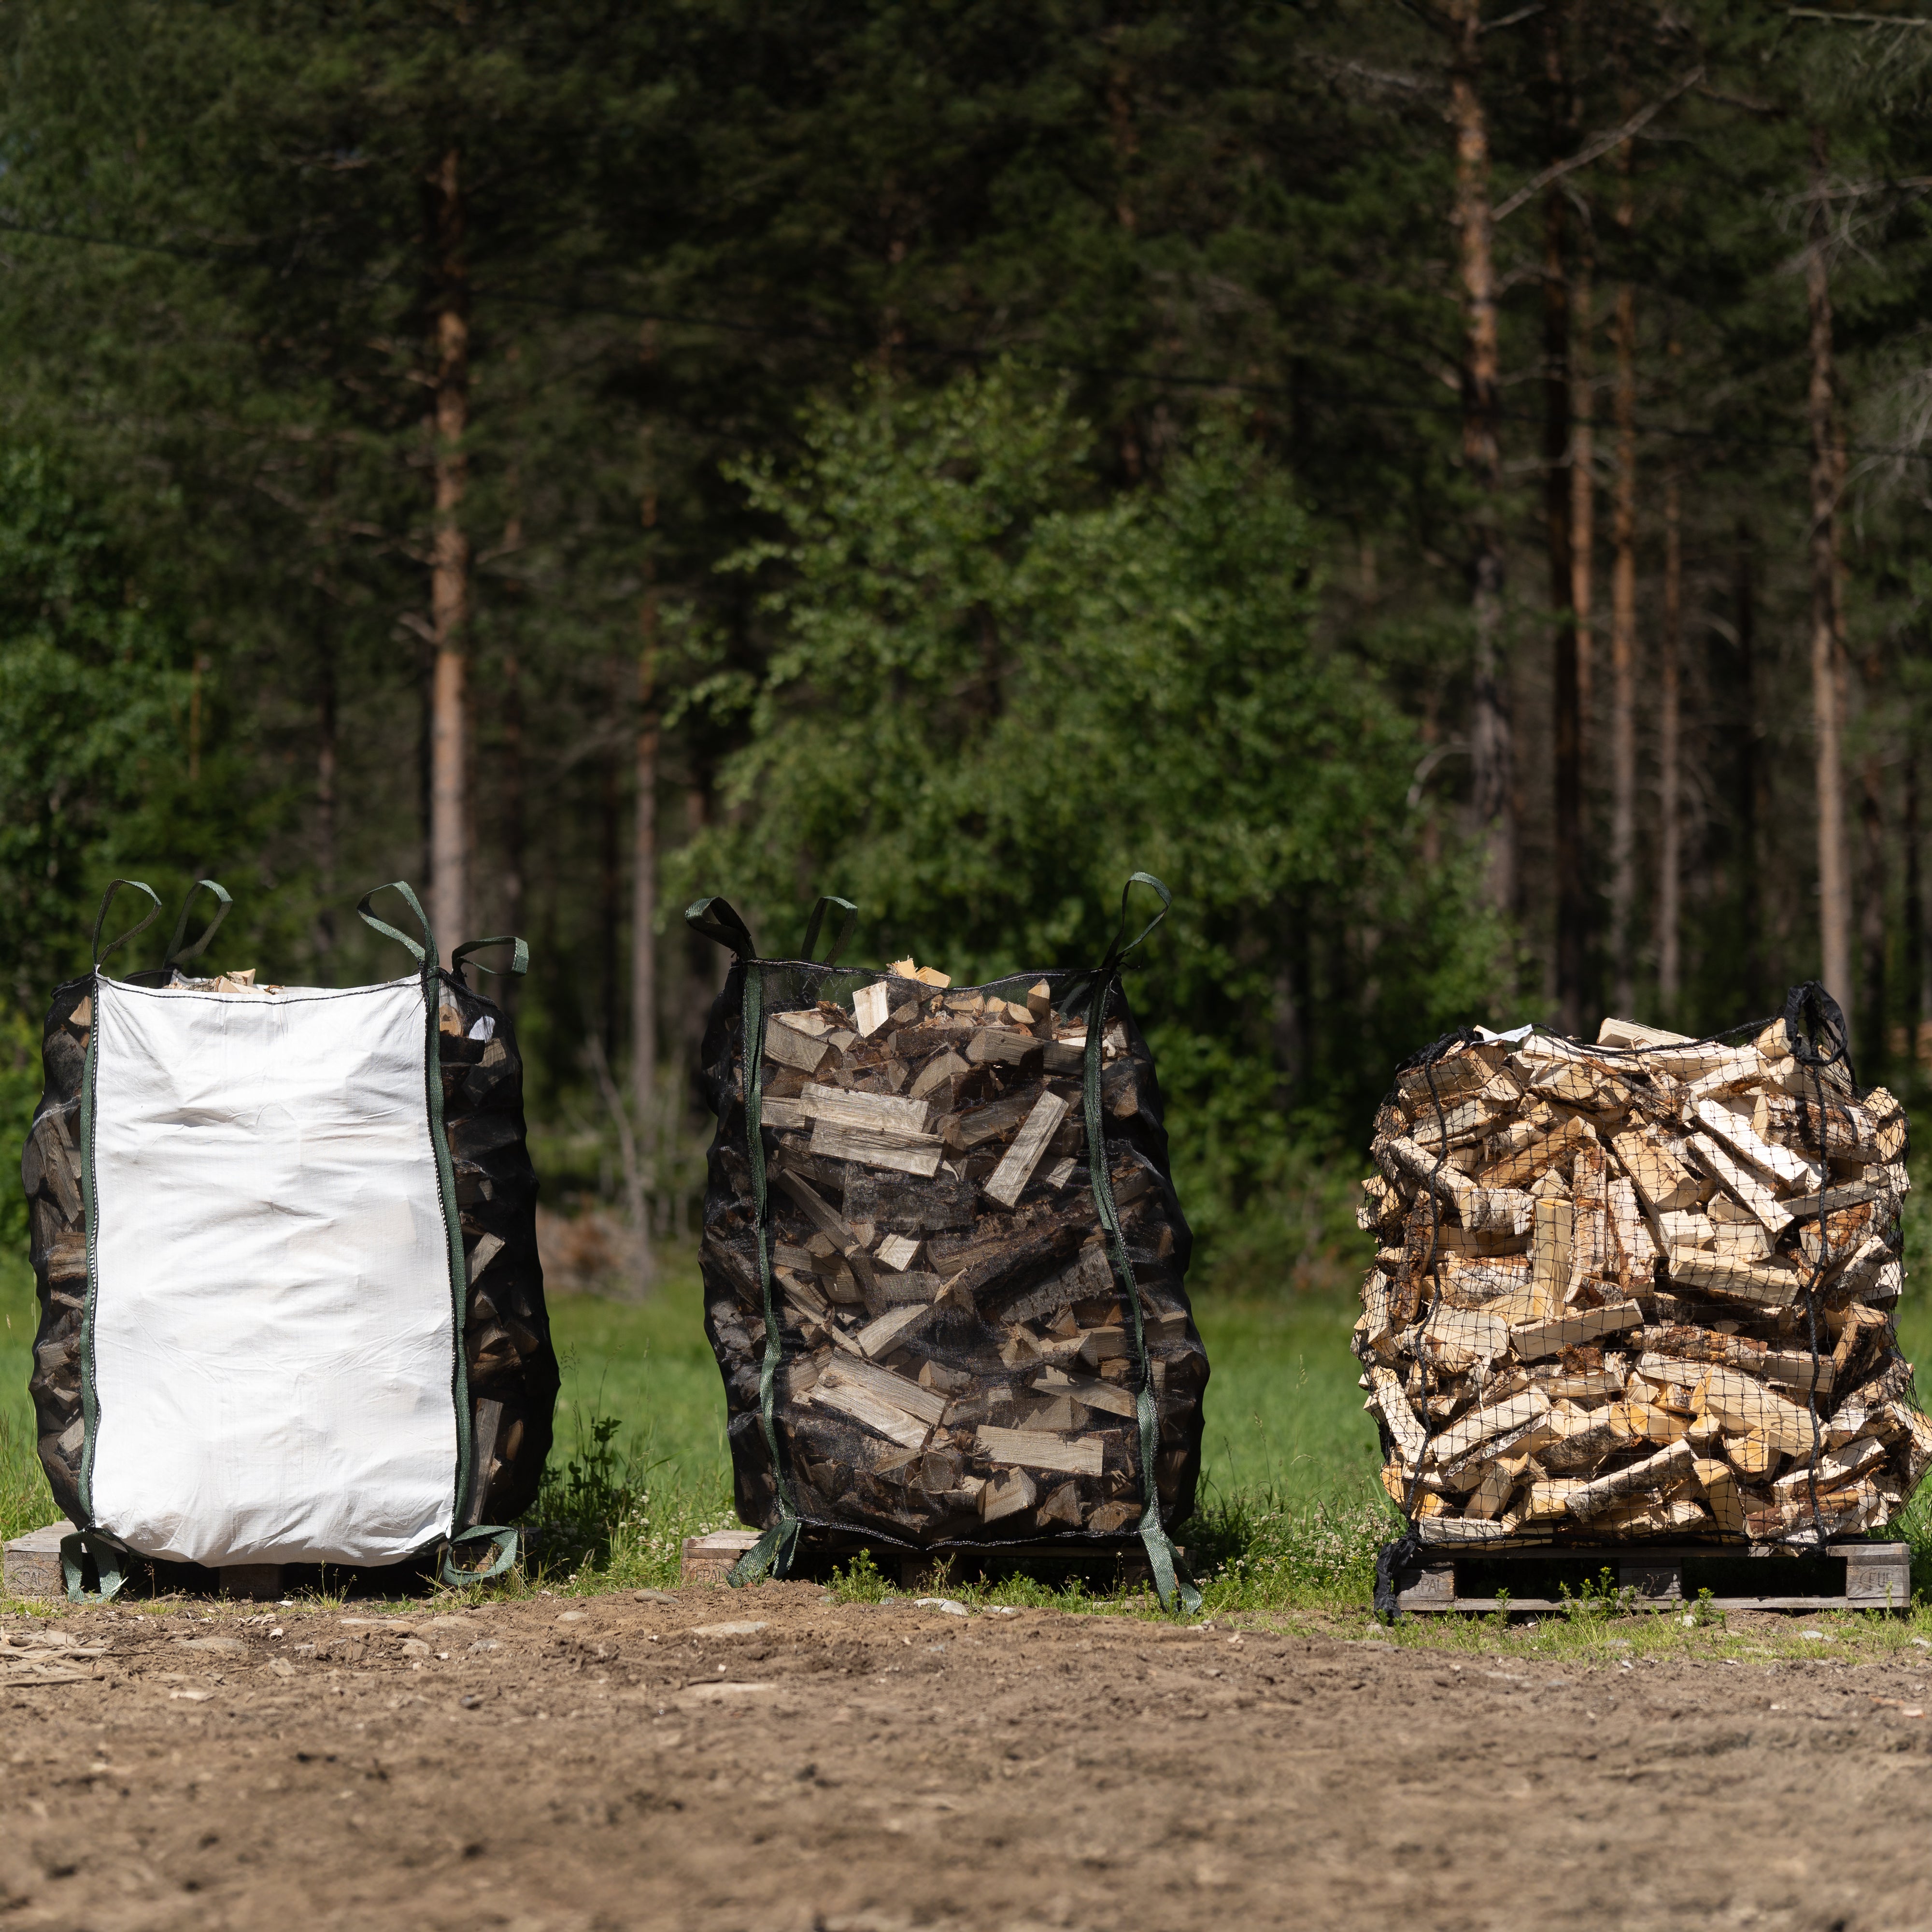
(1444, 485)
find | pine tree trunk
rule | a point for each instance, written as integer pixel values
(1623, 630)
(1750, 773)
(1669, 862)
(1572, 898)
(1490, 750)
(1582, 496)
(1871, 913)
(609, 871)
(1833, 886)
(449, 576)
(514, 833)
(644, 919)
(325, 751)
(1917, 955)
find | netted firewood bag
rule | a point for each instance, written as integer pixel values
(284, 1240)
(1640, 1289)
(943, 1258)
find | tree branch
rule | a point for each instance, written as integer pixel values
(1855, 20)
(1431, 15)
(1595, 147)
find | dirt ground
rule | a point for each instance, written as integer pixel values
(768, 1758)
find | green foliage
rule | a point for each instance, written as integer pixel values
(1704, 1613)
(25, 1502)
(94, 720)
(996, 691)
(19, 1095)
(589, 1499)
(1252, 1549)
(1598, 1600)
(860, 1582)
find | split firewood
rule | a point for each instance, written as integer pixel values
(959, 1356)
(1615, 1281)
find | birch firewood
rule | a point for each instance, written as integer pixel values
(1613, 1280)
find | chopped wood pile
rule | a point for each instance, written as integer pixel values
(959, 1363)
(1605, 1306)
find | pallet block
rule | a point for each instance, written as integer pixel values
(706, 1559)
(30, 1566)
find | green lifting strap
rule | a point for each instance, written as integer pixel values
(812, 925)
(453, 1577)
(1174, 1587)
(425, 957)
(777, 1548)
(520, 955)
(108, 1567)
(100, 952)
(715, 919)
(177, 952)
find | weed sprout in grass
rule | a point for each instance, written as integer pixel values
(1704, 1613)
(1598, 1602)
(861, 1581)
(1261, 1552)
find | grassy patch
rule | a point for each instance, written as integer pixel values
(26, 1501)
(1290, 1513)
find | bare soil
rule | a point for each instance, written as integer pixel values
(562, 1763)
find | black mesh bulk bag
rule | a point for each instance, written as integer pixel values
(943, 1260)
(283, 1238)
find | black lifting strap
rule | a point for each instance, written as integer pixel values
(179, 954)
(776, 1548)
(817, 919)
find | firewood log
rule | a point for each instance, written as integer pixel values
(957, 1353)
(1616, 1280)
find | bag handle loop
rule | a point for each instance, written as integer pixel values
(453, 1576)
(716, 919)
(1084, 990)
(425, 955)
(1814, 1026)
(817, 919)
(109, 1566)
(176, 952)
(520, 955)
(101, 919)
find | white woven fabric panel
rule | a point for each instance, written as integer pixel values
(274, 1339)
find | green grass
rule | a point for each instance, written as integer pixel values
(1291, 1513)
(1289, 1475)
(25, 1501)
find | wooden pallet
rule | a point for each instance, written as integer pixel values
(706, 1559)
(1845, 1576)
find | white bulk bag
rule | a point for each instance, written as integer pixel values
(272, 1365)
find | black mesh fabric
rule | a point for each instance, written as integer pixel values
(958, 1363)
(1641, 1289)
(513, 1375)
